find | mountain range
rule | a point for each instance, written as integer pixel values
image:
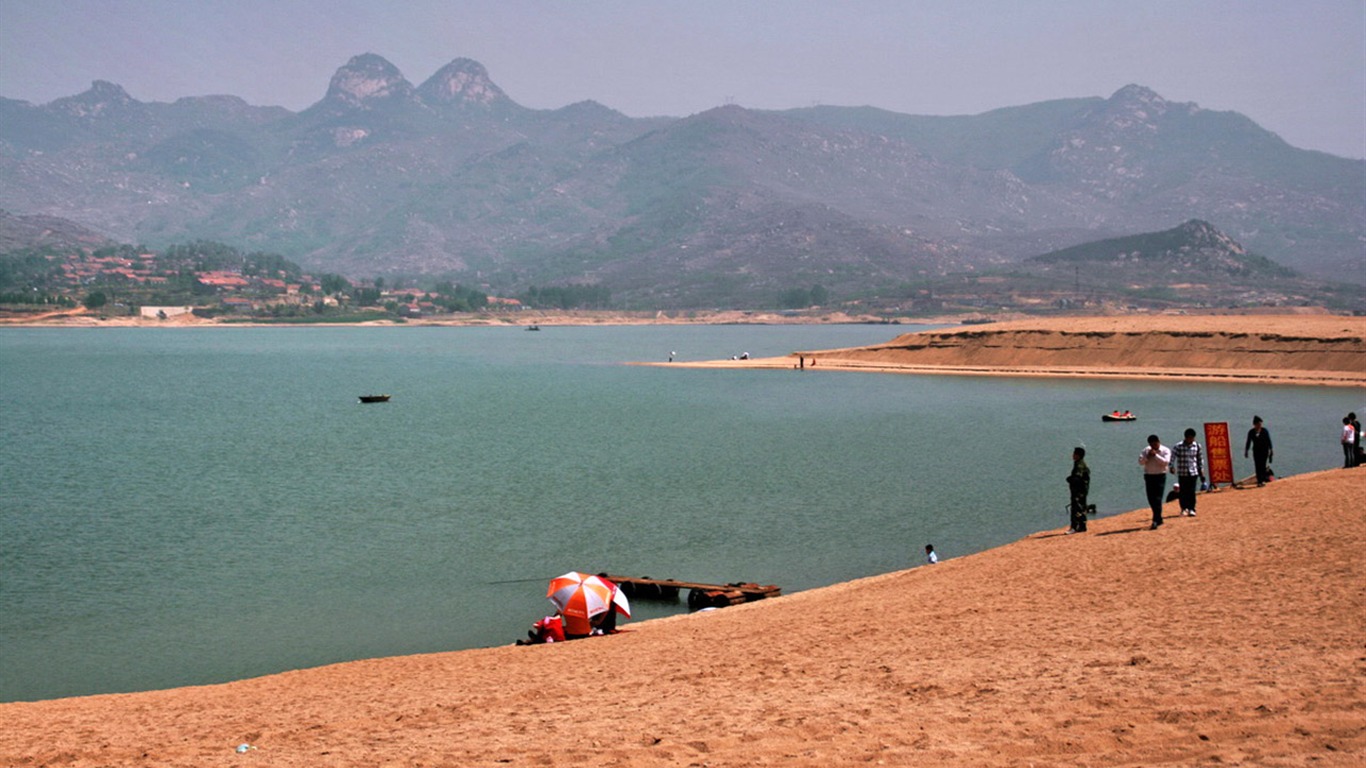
(727, 207)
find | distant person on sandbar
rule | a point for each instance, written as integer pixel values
(1189, 468)
(930, 556)
(1259, 442)
(1079, 483)
(1155, 459)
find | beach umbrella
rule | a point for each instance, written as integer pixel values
(581, 596)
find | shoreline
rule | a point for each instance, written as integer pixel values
(522, 318)
(1301, 350)
(1245, 651)
(1193, 375)
(574, 318)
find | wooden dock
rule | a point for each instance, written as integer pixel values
(699, 595)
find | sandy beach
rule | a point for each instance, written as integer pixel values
(1306, 349)
(1232, 638)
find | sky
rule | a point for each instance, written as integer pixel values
(1297, 68)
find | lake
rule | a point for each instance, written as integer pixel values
(190, 506)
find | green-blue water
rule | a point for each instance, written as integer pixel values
(199, 505)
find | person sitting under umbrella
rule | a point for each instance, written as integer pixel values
(585, 606)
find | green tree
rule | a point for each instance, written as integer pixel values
(366, 297)
(574, 296)
(801, 298)
(334, 284)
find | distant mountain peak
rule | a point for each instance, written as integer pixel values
(1193, 248)
(1137, 93)
(1202, 234)
(461, 82)
(102, 98)
(365, 80)
(103, 90)
(1145, 104)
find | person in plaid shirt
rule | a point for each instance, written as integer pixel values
(1189, 469)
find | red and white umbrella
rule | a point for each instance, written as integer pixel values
(581, 596)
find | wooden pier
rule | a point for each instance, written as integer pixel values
(699, 595)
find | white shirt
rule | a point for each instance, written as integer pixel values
(1155, 462)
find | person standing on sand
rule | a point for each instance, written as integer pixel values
(930, 556)
(1155, 459)
(1259, 440)
(1356, 439)
(1188, 465)
(1349, 450)
(1080, 484)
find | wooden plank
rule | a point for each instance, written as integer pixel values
(769, 590)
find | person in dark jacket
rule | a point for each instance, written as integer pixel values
(1080, 484)
(1259, 441)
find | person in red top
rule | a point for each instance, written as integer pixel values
(549, 629)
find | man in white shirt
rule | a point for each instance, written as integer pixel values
(1155, 459)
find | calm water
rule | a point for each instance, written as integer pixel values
(199, 505)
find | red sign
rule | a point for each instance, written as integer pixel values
(1219, 452)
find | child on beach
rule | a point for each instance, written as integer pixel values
(930, 556)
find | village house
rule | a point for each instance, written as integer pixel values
(163, 313)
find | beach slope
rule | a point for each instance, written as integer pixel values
(1234, 638)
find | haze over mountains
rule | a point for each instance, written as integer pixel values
(727, 207)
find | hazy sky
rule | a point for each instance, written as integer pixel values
(1297, 67)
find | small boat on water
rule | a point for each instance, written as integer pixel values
(533, 327)
(374, 398)
(1117, 416)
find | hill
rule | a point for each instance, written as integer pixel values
(1193, 266)
(1193, 247)
(728, 207)
(46, 232)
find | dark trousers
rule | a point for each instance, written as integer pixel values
(1349, 455)
(1259, 460)
(1189, 485)
(1156, 486)
(1078, 510)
